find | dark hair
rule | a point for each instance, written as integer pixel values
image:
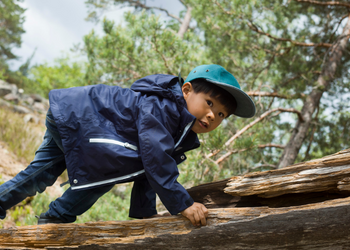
(200, 85)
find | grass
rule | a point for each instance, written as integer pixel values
(23, 140)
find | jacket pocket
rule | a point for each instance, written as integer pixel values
(115, 142)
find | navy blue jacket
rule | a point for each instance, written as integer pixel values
(113, 135)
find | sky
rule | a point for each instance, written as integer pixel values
(54, 26)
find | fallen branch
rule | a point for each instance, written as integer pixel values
(330, 173)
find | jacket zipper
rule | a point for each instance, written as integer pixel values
(188, 126)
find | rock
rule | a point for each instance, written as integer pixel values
(37, 98)
(27, 100)
(20, 109)
(5, 88)
(11, 98)
(40, 107)
(4, 103)
(24, 103)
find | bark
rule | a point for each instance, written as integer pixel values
(314, 217)
(302, 126)
(330, 173)
(313, 226)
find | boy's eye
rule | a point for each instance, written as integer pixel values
(221, 115)
(210, 103)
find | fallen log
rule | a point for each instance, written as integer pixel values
(249, 216)
(330, 173)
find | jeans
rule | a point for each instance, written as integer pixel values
(43, 171)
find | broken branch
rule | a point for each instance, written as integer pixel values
(260, 118)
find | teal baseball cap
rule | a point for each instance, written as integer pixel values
(219, 76)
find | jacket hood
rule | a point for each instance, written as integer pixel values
(166, 86)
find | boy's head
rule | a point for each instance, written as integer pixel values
(212, 94)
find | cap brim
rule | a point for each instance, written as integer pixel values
(245, 105)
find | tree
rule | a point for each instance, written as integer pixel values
(278, 51)
(11, 28)
(63, 73)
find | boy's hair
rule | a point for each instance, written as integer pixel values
(200, 85)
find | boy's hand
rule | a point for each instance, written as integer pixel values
(197, 214)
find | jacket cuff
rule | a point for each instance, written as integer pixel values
(189, 202)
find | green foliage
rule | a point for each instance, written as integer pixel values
(114, 205)
(64, 73)
(143, 45)
(11, 29)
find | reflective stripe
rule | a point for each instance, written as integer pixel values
(183, 134)
(109, 180)
(110, 141)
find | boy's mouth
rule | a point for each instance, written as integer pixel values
(203, 124)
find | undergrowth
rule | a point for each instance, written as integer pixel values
(21, 138)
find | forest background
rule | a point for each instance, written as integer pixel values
(290, 56)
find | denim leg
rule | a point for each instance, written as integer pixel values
(43, 171)
(73, 203)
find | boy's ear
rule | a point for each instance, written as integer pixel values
(186, 89)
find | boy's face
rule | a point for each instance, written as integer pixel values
(208, 111)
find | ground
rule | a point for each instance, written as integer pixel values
(10, 165)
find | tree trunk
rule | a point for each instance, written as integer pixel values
(186, 23)
(310, 209)
(300, 131)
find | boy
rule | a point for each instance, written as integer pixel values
(104, 135)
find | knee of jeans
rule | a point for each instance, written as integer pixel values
(47, 180)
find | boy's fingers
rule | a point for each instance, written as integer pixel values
(205, 211)
(197, 219)
(193, 220)
(202, 217)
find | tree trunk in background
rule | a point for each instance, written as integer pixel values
(186, 23)
(300, 131)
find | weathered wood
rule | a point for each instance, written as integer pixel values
(329, 173)
(305, 206)
(303, 227)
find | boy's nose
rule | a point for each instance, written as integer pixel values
(211, 115)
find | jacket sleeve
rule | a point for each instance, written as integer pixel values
(143, 200)
(156, 145)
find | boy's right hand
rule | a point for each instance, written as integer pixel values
(197, 214)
